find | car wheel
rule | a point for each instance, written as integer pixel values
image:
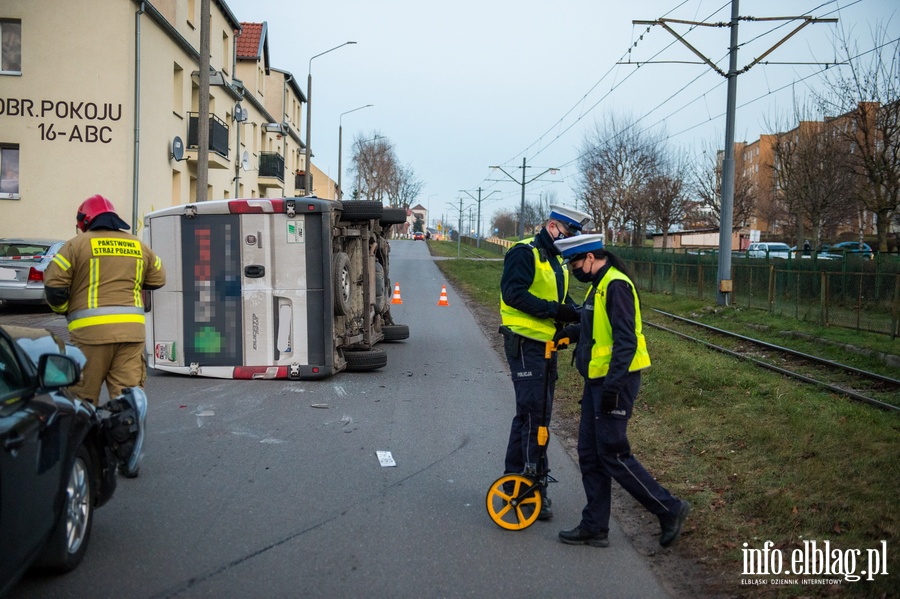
(365, 360)
(69, 540)
(340, 274)
(395, 332)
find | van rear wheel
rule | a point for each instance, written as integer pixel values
(365, 360)
(340, 275)
(395, 332)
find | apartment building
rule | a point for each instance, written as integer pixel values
(111, 107)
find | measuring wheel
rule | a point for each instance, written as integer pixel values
(514, 502)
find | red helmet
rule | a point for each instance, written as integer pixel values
(91, 208)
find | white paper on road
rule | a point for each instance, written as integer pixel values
(386, 459)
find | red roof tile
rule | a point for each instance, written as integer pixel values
(248, 42)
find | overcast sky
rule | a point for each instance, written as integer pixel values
(460, 86)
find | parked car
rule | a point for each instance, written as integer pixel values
(768, 249)
(22, 265)
(58, 459)
(418, 236)
(850, 247)
(818, 255)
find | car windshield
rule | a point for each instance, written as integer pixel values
(22, 249)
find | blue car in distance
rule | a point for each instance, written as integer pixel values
(850, 247)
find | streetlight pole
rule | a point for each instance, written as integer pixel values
(340, 191)
(521, 227)
(308, 175)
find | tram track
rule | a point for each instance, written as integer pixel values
(861, 385)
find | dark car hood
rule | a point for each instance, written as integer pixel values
(36, 342)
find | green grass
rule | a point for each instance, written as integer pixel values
(760, 456)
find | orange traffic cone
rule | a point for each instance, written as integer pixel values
(443, 300)
(396, 299)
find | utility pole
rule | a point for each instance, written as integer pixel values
(203, 106)
(478, 200)
(726, 222)
(521, 226)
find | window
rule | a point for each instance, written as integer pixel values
(11, 43)
(9, 171)
(178, 90)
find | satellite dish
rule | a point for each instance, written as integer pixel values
(240, 115)
(177, 149)
(245, 161)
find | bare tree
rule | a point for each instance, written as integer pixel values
(866, 95)
(706, 180)
(403, 187)
(616, 161)
(666, 192)
(375, 165)
(505, 222)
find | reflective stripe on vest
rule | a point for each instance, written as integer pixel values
(601, 350)
(543, 286)
(106, 315)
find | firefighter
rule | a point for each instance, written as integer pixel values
(534, 298)
(96, 280)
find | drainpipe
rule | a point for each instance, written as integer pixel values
(137, 118)
(284, 132)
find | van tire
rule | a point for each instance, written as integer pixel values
(365, 360)
(393, 216)
(357, 210)
(395, 332)
(341, 277)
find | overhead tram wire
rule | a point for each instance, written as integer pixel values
(787, 85)
(669, 136)
(593, 106)
(671, 97)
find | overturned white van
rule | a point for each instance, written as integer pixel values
(271, 288)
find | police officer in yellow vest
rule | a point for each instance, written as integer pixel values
(610, 355)
(96, 281)
(534, 301)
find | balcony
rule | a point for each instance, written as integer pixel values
(218, 141)
(271, 170)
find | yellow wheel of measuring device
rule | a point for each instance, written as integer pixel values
(513, 502)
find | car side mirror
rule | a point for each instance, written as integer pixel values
(56, 371)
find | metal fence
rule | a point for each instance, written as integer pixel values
(850, 292)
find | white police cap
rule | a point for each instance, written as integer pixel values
(574, 219)
(572, 247)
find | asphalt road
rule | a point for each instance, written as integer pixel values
(248, 490)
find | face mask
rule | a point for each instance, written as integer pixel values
(582, 275)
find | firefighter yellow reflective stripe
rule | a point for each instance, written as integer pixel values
(109, 319)
(138, 282)
(157, 264)
(93, 283)
(62, 262)
(104, 311)
(61, 309)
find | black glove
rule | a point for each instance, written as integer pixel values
(570, 332)
(566, 313)
(609, 401)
